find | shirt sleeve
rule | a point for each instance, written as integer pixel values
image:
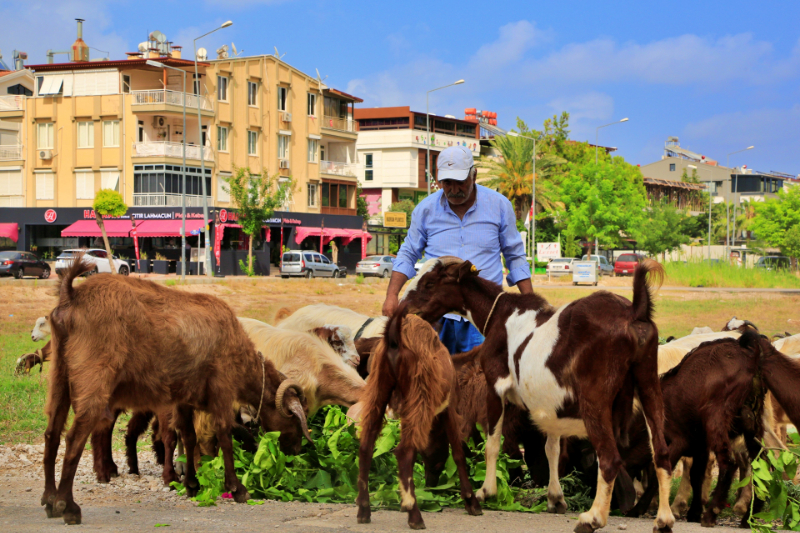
(414, 244)
(512, 246)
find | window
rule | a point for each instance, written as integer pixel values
(110, 133)
(44, 136)
(672, 167)
(252, 142)
(252, 93)
(45, 185)
(283, 147)
(325, 195)
(196, 83)
(386, 124)
(84, 185)
(312, 105)
(222, 138)
(309, 258)
(282, 98)
(140, 132)
(222, 88)
(109, 179)
(85, 134)
(11, 188)
(223, 195)
(368, 167)
(156, 185)
(342, 195)
(313, 148)
(126, 83)
(312, 195)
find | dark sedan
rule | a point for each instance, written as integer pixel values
(19, 264)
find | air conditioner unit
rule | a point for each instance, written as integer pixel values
(286, 117)
(159, 122)
(284, 163)
(45, 154)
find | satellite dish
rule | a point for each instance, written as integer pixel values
(222, 52)
(202, 54)
(236, 53)
(143, 47)
(277, 54)
(158, 37)
(320, 79)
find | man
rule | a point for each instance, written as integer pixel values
(468, 221)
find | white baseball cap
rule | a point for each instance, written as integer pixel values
(454, 163)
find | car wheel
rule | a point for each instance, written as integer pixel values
(92, 272)
(18, 274)
(124, 270)
(385, 274)
(310, 274)
(284, 277)
(335, 274)
(45, 273)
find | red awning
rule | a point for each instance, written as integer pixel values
(167, 228)
(330, 233)
(9, 231)
(89, 228)
(357, 234)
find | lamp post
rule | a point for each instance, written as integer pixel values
(693, 167)
(730, 239)
(596, 137)
(183, 169)
(209, 271)
(428, 131)
(533, 195)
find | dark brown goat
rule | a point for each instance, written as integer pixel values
(576, 369)
(125, 343)
(412, 372)
(715, 395)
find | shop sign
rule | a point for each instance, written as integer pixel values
(223, 215)
(50, 215)
(548, 250)
(394, 220)
(279, 220)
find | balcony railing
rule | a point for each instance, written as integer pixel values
(12, 102)
(161, 96)
(167, 200)
(171, 149)
(338, 169)
(337, 123)
(337, 211)
(10, 152)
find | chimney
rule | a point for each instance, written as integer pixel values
(80, 50)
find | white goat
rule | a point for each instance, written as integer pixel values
(340, 338)
(318, 315)
(41, 329)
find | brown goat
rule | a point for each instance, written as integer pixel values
(411, 371)
(577, 370)
(27, 361)
(125, 343)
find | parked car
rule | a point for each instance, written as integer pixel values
(560, 266)
(603, 266)
(376, 265)
(20, 264)
(309, 264)
(626, 264)
(93, 256)
(774, 262)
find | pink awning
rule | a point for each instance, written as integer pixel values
(9, 230)
(357, 234)
(167, 228)
(329, 234)
(89, 228)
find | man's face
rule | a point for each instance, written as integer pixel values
(457, 192)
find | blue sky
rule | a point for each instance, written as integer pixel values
(719, 75)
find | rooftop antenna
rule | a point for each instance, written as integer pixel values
(320, 79)
(236, 53)
(278, 55)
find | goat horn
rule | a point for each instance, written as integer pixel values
(282, 388)
(296, 408)
(748, 323)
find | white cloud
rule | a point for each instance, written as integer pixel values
(585, 110)
(514, 41)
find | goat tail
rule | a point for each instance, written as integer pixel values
(282, 314)
(649, 275)
(393, 334)
(66, 290)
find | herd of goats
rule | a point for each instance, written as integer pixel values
(546, 379)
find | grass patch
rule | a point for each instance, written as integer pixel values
(359, 279)
(22, 398)
(701, 274)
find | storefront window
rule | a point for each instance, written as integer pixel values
(326, 195)
(342, 195)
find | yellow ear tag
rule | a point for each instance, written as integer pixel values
(473, 268)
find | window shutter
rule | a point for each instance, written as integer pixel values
(68, 82)
(222, 195)
(109, 179)
(45, 185)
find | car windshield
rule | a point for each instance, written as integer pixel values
(564, 260)
(66, 255)
(628, 258)
(8, 255)
(291, 258)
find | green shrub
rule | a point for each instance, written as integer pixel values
(701, 274)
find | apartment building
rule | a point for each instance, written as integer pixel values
(118, 124)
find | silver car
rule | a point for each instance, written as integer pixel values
(603, 266)
(376, 265)
(560, 266)
(92, 256)
(309, 264)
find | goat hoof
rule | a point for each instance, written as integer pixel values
(364, 516)
(693, 516)
(583, 527)
(665, 529)
(58, 509)
(473, 507)
(483, 494)
(241, 495)
(740, 508)
(559, 507)
(192, 489)
(134, 472)
(417, 525)
(708, 520)
(72, 517)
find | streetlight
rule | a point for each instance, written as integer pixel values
(730, 239)
(428, 130)
(533, 195)
(183, 168)
(209, 269)
(596, 137)
(693, 167)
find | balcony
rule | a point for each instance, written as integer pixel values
(336, 123)
(168, 200)
(164, 100)
(338, 211)
(171, 149)
(335, 168)
(12, 102)
(10, 152)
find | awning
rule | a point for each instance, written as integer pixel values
(357, 234)
(330, 233)
(168, 228)
(222, 227)
(9, 231)
(89, 228)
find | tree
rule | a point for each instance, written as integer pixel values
(403, 206)
(686, 178)
(108, 202)
(362, 209)
(256, 196)
(777, 220)
(604, 201)
(661, 231)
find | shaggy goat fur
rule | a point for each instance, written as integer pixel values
(313, 316)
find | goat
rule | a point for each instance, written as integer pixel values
(411, 371)
(313, 316)
(735, 324)
(41, 329)
(576, 369)
(340, 338)
(701, 331)
(126, 343)
(789, 346)
(26, 362)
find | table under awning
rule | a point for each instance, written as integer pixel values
(168, 228)
(89, 228)
(9, 230)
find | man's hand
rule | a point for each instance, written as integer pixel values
(395, 284)
(390, 305)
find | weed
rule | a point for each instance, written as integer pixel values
(359, 279)
(701, 274)
(171, 282)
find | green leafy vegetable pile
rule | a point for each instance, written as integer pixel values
(327, 471)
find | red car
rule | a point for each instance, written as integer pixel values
(626, 264)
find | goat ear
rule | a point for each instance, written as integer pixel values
(467, 269)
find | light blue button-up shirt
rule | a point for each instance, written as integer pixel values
(488, 228)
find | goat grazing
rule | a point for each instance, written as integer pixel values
(411, 371)
(313, 316)
(26, 362)
(576, 369)
(126, 343)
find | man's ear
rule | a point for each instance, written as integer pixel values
(466, 269)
